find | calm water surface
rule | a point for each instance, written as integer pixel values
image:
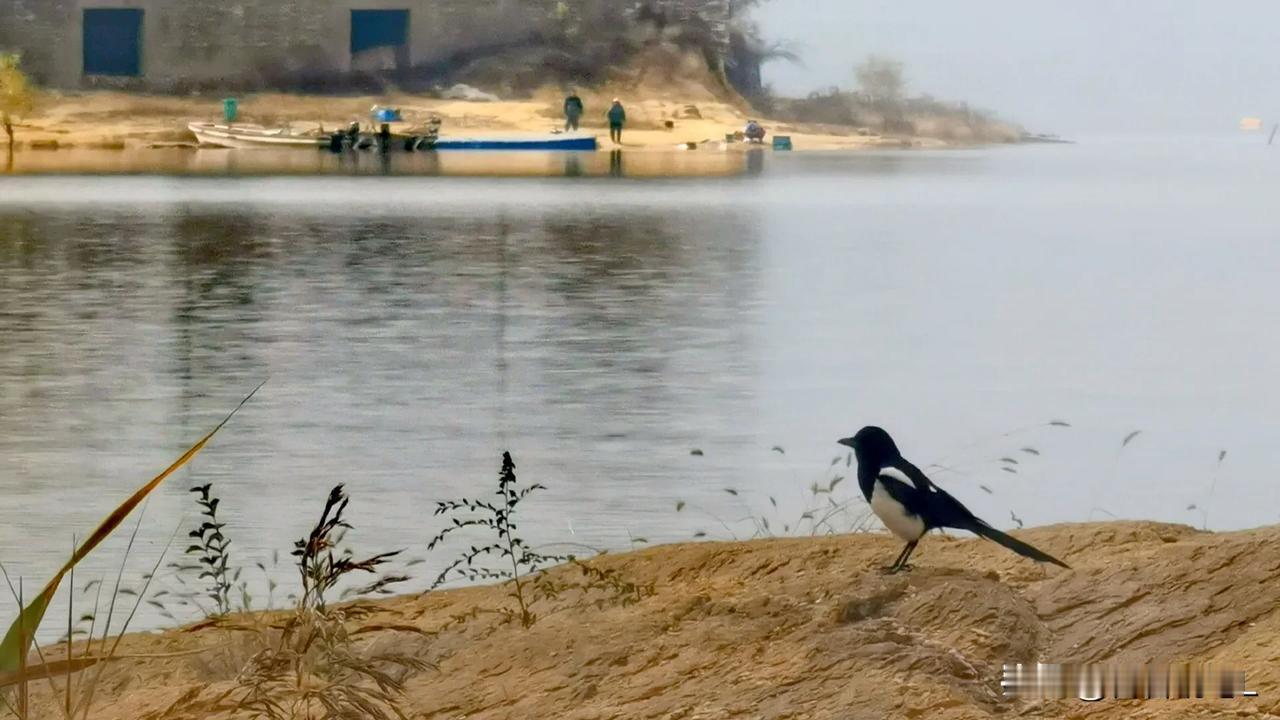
(601, 328)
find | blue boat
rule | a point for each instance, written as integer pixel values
(518, 142)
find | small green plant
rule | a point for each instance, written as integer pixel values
(508, 548)
(211, 553)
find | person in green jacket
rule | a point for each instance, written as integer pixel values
(572, 111)
(617, 118)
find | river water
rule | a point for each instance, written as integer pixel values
(604, 326)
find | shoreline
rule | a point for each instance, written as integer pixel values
(113, 121)
(787, 627)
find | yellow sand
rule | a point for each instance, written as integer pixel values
(115, 121)
(798, 628)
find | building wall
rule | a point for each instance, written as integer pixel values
(188, 43)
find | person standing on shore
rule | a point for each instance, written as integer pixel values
(617, 118)
(572, 111)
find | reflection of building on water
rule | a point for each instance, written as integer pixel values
(604, 324)
(636, 164)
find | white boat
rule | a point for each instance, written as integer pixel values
(253, 136)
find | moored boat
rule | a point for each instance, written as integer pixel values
(251, 136)
(531, 141)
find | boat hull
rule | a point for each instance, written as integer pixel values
(544, 143)
(226, 136)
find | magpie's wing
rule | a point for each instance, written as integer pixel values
(917, 477)
(912, 499)
(941, 507)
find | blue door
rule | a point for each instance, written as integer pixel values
(113, 41)
(378, 28)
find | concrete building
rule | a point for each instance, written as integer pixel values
(165, 45)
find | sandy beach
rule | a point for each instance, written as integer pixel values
(792, 628)
(117, 121)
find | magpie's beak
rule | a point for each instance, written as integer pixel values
(847, 442)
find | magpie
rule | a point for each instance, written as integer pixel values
(910, 504)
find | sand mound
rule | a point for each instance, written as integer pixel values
(808, 628)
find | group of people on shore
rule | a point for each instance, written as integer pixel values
(617, 114)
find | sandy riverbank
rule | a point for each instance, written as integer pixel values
(116, 121)
(801, 628)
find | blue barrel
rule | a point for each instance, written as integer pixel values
(230, 109)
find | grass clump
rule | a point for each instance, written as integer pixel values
(311, 665)
(322, 570)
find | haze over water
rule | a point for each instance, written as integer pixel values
(603, 328)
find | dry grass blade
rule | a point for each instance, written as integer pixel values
(87, 700)
(53, 668)
(17, 641)
(315, 670)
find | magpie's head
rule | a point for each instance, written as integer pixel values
(873, 447)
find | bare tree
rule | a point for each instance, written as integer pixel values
(16, 95)
(882, 83)
(881, 80)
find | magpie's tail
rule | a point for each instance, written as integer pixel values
(977, 527)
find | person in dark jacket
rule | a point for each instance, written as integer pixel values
(572, 111)
(617, 118)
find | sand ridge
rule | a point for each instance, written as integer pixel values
(808, 628)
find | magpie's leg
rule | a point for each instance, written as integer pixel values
(898, 561)
(906, 555)
(901, 563)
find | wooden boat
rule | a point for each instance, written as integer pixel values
(252, 136)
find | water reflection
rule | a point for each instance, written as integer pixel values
(403, 353)
(600, 330)
(179, 161)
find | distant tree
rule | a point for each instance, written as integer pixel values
(749, 52)
(882, 84)
(17, 97)
(881, 80)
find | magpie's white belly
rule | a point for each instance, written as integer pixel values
(894, 515)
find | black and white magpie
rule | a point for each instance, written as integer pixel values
(910, 504)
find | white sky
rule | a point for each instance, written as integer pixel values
(1054, 65)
